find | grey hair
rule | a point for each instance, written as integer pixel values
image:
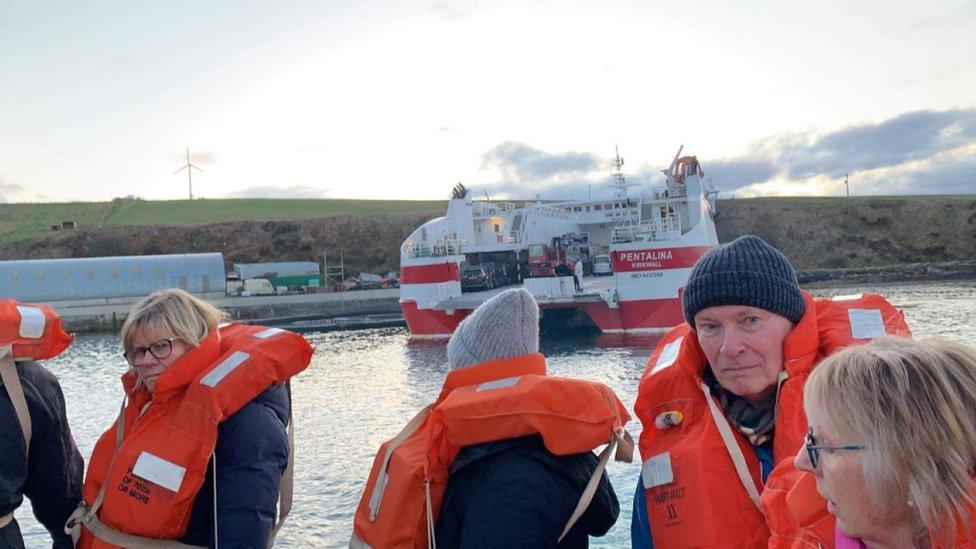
(913, 403)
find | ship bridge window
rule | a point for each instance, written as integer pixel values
(587, 208)
(597, 207)
(577, 209)
(608, 206)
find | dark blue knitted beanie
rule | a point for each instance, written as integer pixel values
(746, 271)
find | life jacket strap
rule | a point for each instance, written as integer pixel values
(286, 492)
(732, 447)
(376, 497)
(624, 444)
(10, 379)
(6, 519)
(82, 517)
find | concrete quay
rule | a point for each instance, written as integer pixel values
(98, 315)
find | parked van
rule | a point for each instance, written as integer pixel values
(258, 286)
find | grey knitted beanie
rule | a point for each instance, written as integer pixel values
(746, 271)
(505, 326)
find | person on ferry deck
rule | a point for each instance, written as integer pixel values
(201, 445)
(48, 469)
(892, 442)
(721, 403)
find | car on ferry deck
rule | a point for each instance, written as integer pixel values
(475, 278)
(601, 266)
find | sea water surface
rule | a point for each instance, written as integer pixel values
(361, 387)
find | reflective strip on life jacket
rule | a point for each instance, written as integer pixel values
(33, 331)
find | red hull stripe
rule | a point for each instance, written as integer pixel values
(424, 274)
(431, 321)
(657, 259)
(636, 315)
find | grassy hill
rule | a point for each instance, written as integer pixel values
(813, 232)
(27, 221)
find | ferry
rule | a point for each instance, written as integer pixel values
(451, 264)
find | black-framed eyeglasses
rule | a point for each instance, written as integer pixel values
(158, 349)
(814, 449)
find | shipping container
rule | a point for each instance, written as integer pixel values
(278, 269)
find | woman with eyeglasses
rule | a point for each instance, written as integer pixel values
(201, 449)
(892, 442)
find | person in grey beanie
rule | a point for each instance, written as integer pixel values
(726, 388)
(514, 492)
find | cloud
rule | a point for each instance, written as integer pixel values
(7, 189)
(893, 154)
(449, 11)
(518, 161)
(273, 191)
(924, 152)
(199, 157)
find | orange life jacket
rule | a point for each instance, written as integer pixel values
(702, 479)
(492, 401)
(33, 331)
(27, 332)
(152, 478)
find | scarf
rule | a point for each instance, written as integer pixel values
(756, 423)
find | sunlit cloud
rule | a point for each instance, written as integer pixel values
(7, 190)
(273, 191)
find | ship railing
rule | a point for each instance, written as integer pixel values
(440, 248)
(648, 231)
(492, 209)
(548, 211)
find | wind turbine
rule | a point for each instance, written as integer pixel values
(189, 171)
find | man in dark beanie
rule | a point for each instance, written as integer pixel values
(721, 401)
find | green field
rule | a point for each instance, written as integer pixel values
(28, 221)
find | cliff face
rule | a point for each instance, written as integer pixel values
(367, 243)
(813, 232)
(856, 232)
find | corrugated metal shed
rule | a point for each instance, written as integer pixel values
(106, 277)
(276, 269)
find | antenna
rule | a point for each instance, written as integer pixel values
(189, 171)
(619, 181)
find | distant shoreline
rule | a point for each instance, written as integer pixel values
(907, 272)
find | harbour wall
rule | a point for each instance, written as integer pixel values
(93, 315)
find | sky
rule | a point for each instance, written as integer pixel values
(401, 100)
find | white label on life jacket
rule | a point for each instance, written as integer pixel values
(849, 297)
(657, 471)
(227, 366)
(31, 322)
(668, 355)
(498, 384)
(866, 323)
(159, 471)
(268, 333)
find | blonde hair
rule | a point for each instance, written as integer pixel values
(913, 403)
(172, 313)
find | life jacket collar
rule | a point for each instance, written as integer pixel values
(533, 363)
(802, 343)
(179, 374)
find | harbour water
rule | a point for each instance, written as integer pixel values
(362, 386)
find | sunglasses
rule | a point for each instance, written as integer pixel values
(814, 449)
(158, 349)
